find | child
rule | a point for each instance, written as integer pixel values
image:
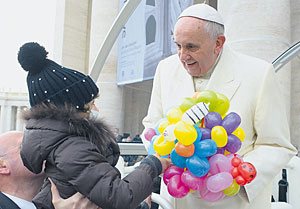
(80, 152)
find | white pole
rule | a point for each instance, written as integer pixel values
(111, 37)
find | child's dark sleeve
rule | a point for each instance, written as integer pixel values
(91, 175)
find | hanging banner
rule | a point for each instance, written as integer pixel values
(147, 38)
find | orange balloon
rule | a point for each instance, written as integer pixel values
(185, 151)
(195, 94)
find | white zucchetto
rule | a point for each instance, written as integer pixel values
(202, 11)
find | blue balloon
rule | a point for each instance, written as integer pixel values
(151, 150)
(199, 133)
(198, 166)
(165, 156)
(205, 148)
(178, 160)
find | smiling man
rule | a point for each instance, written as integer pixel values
(205, 62)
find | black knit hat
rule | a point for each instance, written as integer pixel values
(48, 82)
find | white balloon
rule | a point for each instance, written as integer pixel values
(169, 133)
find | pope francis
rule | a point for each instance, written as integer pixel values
(205, 62)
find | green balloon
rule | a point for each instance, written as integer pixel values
(208, 97)
(187, 103)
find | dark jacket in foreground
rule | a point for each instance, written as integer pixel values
(80, 157)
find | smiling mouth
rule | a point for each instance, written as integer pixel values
(190, 64)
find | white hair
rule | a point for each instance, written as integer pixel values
(213, 29)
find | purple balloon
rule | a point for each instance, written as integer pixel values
(212, 119)
(219, 163)
(233, 144)
(231, 122)
(206, 133)
(220, 150)
(219, 181)
(208, 195)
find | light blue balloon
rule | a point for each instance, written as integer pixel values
(198, 166)
(151, 150)
(205, 148)
(178, 160)
(199, 133)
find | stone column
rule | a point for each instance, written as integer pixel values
(261, 29)
(5, 117)
(295, 87)
(110, 102)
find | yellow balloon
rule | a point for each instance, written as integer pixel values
(239, 132)
(222, 104)
(219, 135)
(162, 126)
(162, 146)
(226, 152)
(174, 115)
(185, 133)
(232, 190)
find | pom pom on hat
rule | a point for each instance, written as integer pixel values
(202, 11)
(51, 83)
(32, 57)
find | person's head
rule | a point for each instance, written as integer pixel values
(14, 176)
(199, 36)
(51, 83)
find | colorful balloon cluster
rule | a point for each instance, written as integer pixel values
(201, 140)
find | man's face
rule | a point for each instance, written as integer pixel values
(196, 50)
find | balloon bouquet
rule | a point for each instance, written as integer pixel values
(202, 141)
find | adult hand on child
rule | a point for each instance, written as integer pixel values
(77, 201)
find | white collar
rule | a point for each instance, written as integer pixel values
(23, 204)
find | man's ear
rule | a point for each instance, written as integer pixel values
(219, 43)
(4, 170)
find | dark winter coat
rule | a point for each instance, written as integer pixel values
(80, 156)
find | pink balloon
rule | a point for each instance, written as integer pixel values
(191, 181)
(210, 196)
(176, 188)
(219, 163)
(149, 133)
(219, 182)
(170, 172)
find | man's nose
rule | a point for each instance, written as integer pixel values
(183, 54)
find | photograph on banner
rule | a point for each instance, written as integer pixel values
(147, 38)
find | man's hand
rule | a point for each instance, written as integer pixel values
(77, 201)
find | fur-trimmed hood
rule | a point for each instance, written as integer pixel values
(47, 127)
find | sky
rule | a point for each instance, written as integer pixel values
(23, 21)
